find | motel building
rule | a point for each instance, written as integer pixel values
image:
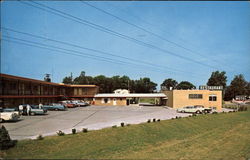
(122, 97)
(207, 96)
(16, 90)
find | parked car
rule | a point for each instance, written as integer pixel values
(15, 110)
(68, 104)
(205, 109)
(55, 106)
(194, 109)
(8, 115)
(80, 103)
(34, 109)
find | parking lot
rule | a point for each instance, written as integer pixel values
(91, 117)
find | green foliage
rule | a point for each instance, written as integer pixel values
(154, 120)
(149, 120)
(85, 130)
(218, 79)
(167, 83)
(238, 86)
(185, 85)
(73, 131)
(109, 84)
(122, 124)
(242, 108)
(39, 137)
(5, 140)
(114, 126)
(67, 80)
(60, 133)
(158, 120)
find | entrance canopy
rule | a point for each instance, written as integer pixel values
(131, 95)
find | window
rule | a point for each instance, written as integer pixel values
(106, 100)
(195, 96)
(212, 98)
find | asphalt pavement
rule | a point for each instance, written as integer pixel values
(91, 117)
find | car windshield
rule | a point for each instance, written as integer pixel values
(34, 106)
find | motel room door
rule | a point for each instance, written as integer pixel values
(114, 101)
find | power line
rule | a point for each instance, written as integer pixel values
(149, 32)
(63, 52)
(144, 21)
(152, 33)
(143, 29)
(106, 30)
(94, 50)
(67, 51)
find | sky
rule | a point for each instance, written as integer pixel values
(185, 41)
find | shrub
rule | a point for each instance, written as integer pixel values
(60, 133)
(122, 124)
(149, 121)
(190, 116)
(39, 137)
(194, 114)
(114, 126)
(154, 120)
(242, 108)
(73, 131)
(85, 130)
(158, 120)
(215, 113)
(128, 125)
(5, 141)
(176, 117)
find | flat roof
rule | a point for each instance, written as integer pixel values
(131, 95)
(42, 82)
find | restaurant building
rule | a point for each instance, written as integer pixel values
(16, 90)
(204, 97)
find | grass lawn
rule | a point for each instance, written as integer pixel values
(213, 136)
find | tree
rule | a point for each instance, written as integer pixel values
(185, 85)
(248, 89)
(102, 82)
(218, 79)
(238, 86)
(167, 83)
(144, 85)
(5, 140)
(67, 80)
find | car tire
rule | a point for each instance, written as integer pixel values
(205, 111)
(56, 109)
(32, 113)
(198, 112)
(1, 120)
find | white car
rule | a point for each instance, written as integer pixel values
(8, 115)
(194, 109)
(80, 103)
